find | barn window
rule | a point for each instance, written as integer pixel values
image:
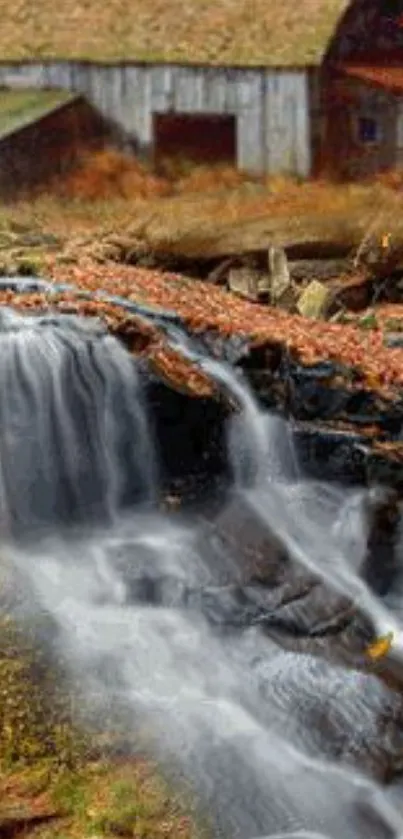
(199, 138)
(368, 130)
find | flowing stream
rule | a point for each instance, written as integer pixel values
(278, 742)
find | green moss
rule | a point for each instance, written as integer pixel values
(36, 720)
(368, 321)
(71, 794)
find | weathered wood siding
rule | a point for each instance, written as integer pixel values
(317, 120)
(271, 106)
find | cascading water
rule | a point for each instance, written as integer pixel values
(270, 737)
(72, 429)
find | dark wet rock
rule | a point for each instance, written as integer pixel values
(247, 550)
(393, 339)
(334, 712)
(20, 818)
(248, 282)
(249, 580)
(341, 455)
(312, 394)
(385, 466)
(382, 563)
(190, 435)
(282, 596)
(24, 284)
(305, 270)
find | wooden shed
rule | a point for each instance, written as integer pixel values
(266, 86)
(42, 132)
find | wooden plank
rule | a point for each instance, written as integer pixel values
(232, 81)
(287, 137)
(199, 96)
(183, 90)
(302, 124)
(214, 91)
(138, 110)
(22, 75)
(161, 89)
(251, 129)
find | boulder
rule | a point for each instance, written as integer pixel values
(282, 291)
(248, 282)
(315, 300)
(393, 340)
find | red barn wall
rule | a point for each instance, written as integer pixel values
(346, 101)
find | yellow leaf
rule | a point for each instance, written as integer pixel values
(380, 647)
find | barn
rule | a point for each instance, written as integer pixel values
(291, 87)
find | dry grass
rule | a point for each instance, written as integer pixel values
(228, 32)
(110, 174)
(204, 210)
(193, 212)
(107, 173)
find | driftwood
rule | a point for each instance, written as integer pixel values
(219, 274)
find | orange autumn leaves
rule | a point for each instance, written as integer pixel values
(205, 307)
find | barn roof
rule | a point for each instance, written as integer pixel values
(19, 108)
(388, 76)
(221, 32)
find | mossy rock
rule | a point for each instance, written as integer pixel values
(37, 703)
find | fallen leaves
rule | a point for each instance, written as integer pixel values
(209, 308)
(204, 307)
(381, 647)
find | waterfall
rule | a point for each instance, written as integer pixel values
(271, 737)
(74, 441)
